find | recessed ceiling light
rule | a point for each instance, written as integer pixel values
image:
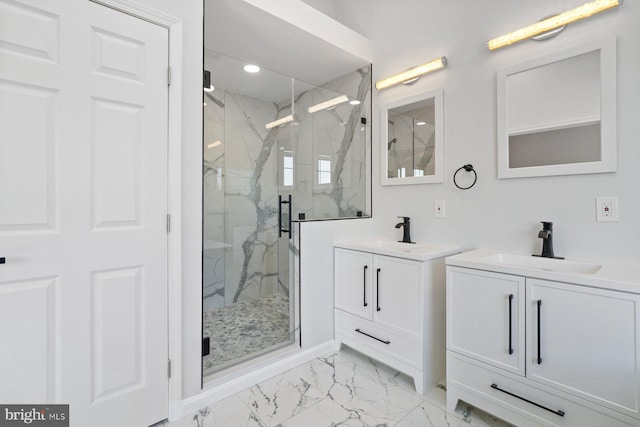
(354, 102)
(250, 68)
(421, 123)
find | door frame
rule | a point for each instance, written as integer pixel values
(174, 188)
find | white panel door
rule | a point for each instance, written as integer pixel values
(588, 342)
(352, 282)
(83, 179)
(398, 293)
(485, 317)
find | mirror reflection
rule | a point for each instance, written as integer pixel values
(411, 144)
(557, 114)
(414, 146)
(554, 113)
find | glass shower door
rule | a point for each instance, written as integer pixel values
(248, 301)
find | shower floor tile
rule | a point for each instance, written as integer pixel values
(240, 330)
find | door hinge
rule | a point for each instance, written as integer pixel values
(168, 76)
(206, 346)
(169, 368)
(168, 223)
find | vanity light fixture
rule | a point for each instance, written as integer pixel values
(328, 104)
(250, 68)
(549, 24)
(285, 119)
(412, 73)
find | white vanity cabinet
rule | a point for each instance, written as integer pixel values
(495, 302)
(542, 352)
(585, 341)
(392, 308)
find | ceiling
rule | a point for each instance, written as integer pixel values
(240, 31)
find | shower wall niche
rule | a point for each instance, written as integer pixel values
(270, 138)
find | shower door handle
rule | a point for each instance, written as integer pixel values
(280, 203)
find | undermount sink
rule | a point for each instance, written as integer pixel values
(416, 251)
(545, 264)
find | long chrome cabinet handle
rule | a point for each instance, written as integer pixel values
(371, 336)
(364, 286)
(378, 290)
(559, 412)
(510, 326)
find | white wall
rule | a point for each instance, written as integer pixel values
(496, 213)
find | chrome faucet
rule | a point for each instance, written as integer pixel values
(546, 234)
(406, 232)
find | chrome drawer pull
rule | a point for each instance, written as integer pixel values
(559, 412)
(371, 336)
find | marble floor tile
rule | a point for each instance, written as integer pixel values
(327, 413)
(280, 398)
(341, 389)
(366, 392)
(225, 413)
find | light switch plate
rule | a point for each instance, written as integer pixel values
(607, 209)
(439, 209)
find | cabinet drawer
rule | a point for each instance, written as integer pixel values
(354, 330)
(478, 378)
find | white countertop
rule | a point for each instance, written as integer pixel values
(609, 275)
(417, 252)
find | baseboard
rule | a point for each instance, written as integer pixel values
(234, 384)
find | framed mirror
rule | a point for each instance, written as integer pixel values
(413, 150)
(557, 113)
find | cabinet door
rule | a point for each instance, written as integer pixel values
(485, 317)
(585, 341)
(398, 293)
(352, 282)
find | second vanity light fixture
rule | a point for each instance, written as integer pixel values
(412, 73)
(549, 24)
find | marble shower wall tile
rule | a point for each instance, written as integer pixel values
(250, 194)
(213, 201)
(243, 176)
(337, 136)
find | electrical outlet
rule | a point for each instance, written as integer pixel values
(607, 209)
(438, 209)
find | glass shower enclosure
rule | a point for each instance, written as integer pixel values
(276, 151)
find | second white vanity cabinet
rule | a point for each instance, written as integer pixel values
(390, 306)
(542, 352)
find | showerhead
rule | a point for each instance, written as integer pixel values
(393, 141)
